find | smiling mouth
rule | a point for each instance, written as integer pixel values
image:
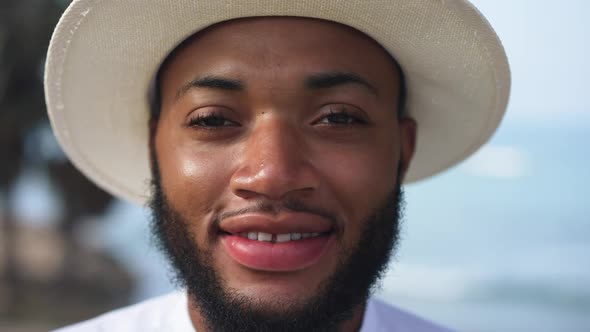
(286, 242)
(274, 252)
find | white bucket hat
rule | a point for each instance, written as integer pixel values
(104, 54)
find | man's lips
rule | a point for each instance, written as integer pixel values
(288, 242)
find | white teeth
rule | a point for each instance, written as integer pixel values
(283, 237)
(279, 238)
(264, 237)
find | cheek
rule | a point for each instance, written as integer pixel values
(193, 181)
(360, 179)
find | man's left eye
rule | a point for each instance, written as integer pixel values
(341, 116)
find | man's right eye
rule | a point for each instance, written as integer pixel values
(210, 121)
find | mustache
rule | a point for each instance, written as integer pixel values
(274, 208)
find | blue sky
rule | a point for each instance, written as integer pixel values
(547, 46)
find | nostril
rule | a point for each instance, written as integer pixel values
(246, 194)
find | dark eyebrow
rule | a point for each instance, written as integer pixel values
(211, 82)
(333, 79)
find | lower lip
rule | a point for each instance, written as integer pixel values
(278, 256)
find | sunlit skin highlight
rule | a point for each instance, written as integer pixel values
(269, 109)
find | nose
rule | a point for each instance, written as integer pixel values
(275, 163)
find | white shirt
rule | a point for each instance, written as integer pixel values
(169, 313)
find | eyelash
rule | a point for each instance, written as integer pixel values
(197, 120)
(343, 111)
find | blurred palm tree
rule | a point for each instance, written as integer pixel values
(25, 31)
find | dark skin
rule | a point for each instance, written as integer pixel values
(276, 108)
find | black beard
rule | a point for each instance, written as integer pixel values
(224, 310)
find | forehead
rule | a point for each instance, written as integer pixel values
(290, 45)
(294, 33)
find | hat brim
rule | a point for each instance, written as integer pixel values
(104, 54)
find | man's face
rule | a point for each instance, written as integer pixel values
(279, 129)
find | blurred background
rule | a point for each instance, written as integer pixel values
(499, 243)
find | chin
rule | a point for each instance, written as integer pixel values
(275, 299)
(278, 288)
